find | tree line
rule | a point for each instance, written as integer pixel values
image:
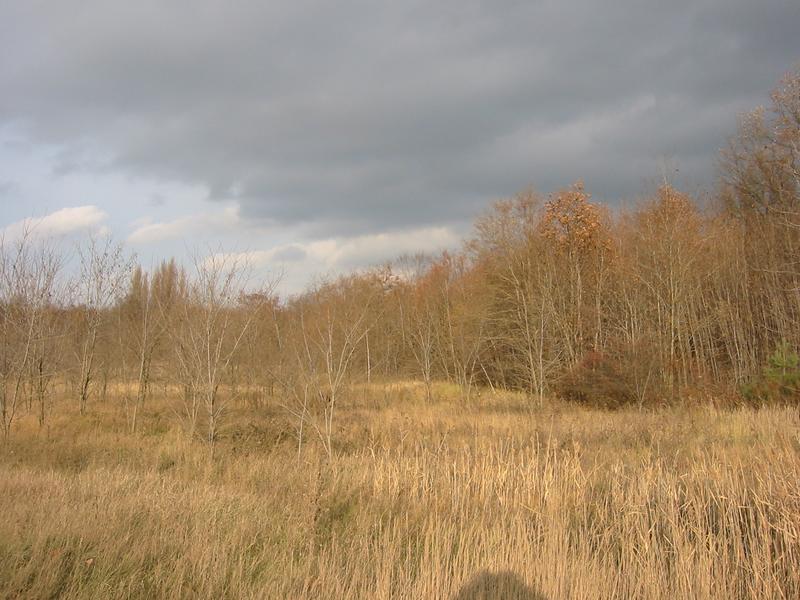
(550, 295)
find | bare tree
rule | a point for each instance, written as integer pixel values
(207, 336)
(28, 279)
(761, 190)
(330, 327)
(521, 276)
(419, 313)
(145, 314)
(104, 270)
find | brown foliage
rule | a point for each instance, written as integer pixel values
(573, 223)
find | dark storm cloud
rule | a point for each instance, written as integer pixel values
(361, 115)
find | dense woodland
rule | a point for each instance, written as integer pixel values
(670, 300)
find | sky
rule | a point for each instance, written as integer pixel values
(320, 136)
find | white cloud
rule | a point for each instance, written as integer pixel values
(295, 264)
(252, 259)
(374, 248)
(259, 259)
(351, 252)
(62, 222)
(183, 227)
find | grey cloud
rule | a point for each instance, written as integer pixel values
(364, 116)
(291, 253)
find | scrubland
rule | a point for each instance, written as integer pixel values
(420, 499)
(581, 401)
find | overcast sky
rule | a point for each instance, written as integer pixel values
(325, 135)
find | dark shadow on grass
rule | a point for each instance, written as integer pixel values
(497, 586)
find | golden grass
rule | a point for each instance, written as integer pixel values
(421, 501)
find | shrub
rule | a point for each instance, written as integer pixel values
(779, 381)
(600, 380)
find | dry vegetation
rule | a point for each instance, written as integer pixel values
(419, 499)
(576, 404)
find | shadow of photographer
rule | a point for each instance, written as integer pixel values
(497, 586)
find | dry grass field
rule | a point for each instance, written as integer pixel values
(442, 500)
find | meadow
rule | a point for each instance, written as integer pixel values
(498, 497)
